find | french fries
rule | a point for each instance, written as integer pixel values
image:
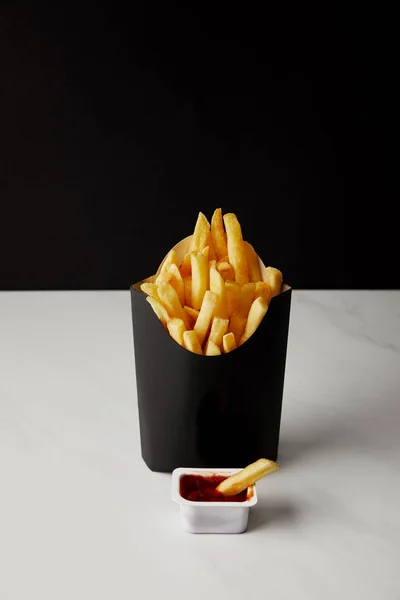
(176, 328)
(200, 278)
(228, 342)
(170, 259)
(253, 264)
(212, 298)
(248, 294)
(170, 300)
(226, 270)
(234, 293)
(256, 315)
(192, 312)
(263, 290)
(218, 234)
(236, 250)
(159, 309)
(212, 349)
(187, 284)
(177, 282)
(205, 315)
(218, 329)
(186, 266)
(217, 285)
(191, 342)
(201, 234)
(237, 326)
(248, 476)
(150, 289)
(274, 279)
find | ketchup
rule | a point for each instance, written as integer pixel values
(203, 489)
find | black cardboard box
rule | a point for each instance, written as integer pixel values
(209, 411)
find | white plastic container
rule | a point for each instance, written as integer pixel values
(212, 517)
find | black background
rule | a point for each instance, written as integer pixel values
(119, 125)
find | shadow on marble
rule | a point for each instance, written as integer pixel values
(269, 513)
(368, 425)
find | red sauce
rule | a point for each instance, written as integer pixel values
(203, 489)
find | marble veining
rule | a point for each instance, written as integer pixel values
(82, 517)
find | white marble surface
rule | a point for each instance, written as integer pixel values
(81, 516)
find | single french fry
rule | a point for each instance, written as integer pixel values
(170, 259)
(200, 278)
(234, 295)
(212, 349)
(237, 325)
(193, 314)
(253, 264)
(150, 289)
(191, 342)
(256, 315)
(159, 309)
(263, 290)
(226, 270)
(217, 285)
(206, 253)
(170, 300)
(211, 255)
(228, 342)
(177, 282)
(243, 479)
(219, 327)
(218, 234)
(187, 283)
(176, 328)
(248, 295)
(274, 279)
(205, 315)
(186, 266)
(236, 251)
(201, 234)
(164, 276)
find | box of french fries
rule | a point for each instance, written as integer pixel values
(210, 336)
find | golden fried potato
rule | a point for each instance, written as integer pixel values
(237, 325)
(177, 282)
(253, 264)
(212, 349)
(205, 315)
(226, 270)
(200, 278)
(186, 266)
(192, 313)
(170, 259)
(170, 300)
(236, 250)
(234, 294)
(219, 327)
(191, 342)
(201, 234)
(217, 285)
(159, 309)
(243, 479)
(228, 342)
(187, 284)
(176, 328)
(150, 289)
(248, 295)
(274, 279)
(218, 234)
(263, 290)
(256, 315)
